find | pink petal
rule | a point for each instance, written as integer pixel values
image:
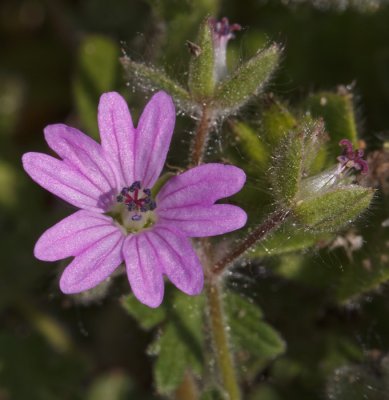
(200, 221)
(363, 166)
(73, 235)
(143, 269)
(178, 259)
(64, 181)
(202, 185)
(94, 265)
(117, 135)
(153, 136)
(83, 153)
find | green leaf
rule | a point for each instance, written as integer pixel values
(96, 73)
(147, 317)
(247, 80)
(250, 147)
(249, 331)
(332, 210)
(277, 121)
(337, 110)
(172, 360)
(151, 79)
(180, 346)
(201, 80)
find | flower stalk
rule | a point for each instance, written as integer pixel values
(274, 221)
(201, 136)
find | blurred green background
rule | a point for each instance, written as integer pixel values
(56, 58)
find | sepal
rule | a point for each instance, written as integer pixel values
(333, 209)
(247, 80)
(294, 159)
(201, 80)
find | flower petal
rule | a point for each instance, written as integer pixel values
(93, 265)
(201, 221)
(83, 153)
(153, 136)
(117, 135)
(143, 269)
(202, 185)
(64, 181)
(73, 235)
(178, 259)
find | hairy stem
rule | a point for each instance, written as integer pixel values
(201, 137)
(274, 221)
(220, 340)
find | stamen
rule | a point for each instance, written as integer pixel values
(130, 196)
(352, 158)
(223, 28)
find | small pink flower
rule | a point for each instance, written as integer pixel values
(222, 33)
(119, 220)
(352, 158)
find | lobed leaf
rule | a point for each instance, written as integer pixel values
(180, 346)
(248, 330)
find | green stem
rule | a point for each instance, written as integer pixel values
(220, 340)
(274, 221)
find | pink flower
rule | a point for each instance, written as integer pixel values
(222, 33)
(352, 158)
(119, 220)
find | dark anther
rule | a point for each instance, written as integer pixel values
(134, 186)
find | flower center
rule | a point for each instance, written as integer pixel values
(134, 208)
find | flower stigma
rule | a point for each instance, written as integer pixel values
(134, 208)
